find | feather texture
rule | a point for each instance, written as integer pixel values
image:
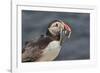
(33, 50)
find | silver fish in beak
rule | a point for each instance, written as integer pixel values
(65, 33)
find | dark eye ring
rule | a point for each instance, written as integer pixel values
(56, 25)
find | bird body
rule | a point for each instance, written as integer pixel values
(51, 51)
(47, 48)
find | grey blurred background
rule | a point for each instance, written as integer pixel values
(35, 23)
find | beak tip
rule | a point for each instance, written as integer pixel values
(67, 27)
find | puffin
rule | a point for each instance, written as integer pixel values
(48, 46)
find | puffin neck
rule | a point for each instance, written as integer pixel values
(57, 38)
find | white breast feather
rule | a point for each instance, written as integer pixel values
(51, 51)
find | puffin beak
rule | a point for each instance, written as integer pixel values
(67, 30)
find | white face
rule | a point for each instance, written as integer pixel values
(60, 28)
(56, 27)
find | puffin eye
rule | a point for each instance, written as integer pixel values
(56, 25)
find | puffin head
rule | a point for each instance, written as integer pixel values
(59, 30)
